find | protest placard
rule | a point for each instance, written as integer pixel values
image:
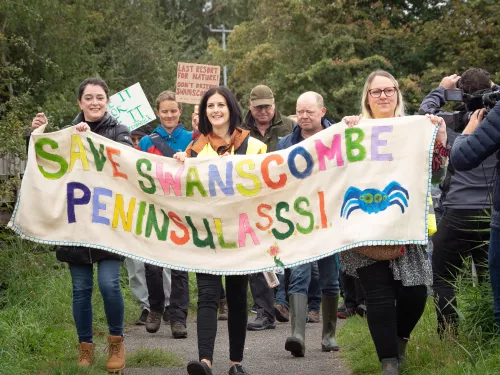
(131, 107)
(339, 189)
(193, 80)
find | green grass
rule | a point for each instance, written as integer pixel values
(193, 294)
(37, 332)
(427, 354)
(147, 357)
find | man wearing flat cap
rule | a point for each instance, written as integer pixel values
(263, 120)
(268, 125)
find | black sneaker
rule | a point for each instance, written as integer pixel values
(261, 323)
(142, 319)
(165, 315)
(198, 368)
(237, 369)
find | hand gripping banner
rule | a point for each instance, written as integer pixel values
(342, 188)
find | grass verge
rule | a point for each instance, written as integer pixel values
(148, 357)
(37, 332)
(427, 354)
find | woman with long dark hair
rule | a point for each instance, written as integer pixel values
(219, 120)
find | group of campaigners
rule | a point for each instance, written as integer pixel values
(391, 292)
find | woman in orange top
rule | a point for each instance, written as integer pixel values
(219, 120)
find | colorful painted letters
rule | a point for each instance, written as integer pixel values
(234, 178)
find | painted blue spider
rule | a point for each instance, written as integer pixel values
(374, 200)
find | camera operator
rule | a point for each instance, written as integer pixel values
(465, 197)
(475, 145)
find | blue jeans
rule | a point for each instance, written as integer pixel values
(494, 266)
(281, 291)
(314, 291)
(313, 294)
(300, 277)
(108, 278)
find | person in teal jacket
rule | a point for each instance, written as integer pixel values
(172, 132)
(170, 137)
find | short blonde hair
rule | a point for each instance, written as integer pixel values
(365, 109)
(167, 95)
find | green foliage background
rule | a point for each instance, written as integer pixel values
(47, 47)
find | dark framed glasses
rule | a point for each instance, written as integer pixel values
(388, 91)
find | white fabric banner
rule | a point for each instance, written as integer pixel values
(339, 189)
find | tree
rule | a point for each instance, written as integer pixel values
(330, 47)
(295, 46)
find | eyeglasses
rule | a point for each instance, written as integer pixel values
(388, 91)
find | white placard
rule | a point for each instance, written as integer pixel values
(131, 107)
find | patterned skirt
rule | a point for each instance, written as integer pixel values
(412, 268)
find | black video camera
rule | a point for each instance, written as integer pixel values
(458, 120)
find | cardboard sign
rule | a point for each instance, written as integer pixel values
(193, 80)
(338, 189)
(131, 107)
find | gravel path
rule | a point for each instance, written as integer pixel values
(264, 351)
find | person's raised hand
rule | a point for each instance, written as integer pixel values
(450, 82)
(352, 120)
(82, 127)
(39, 120)
(442, 136)
(475, 120)
(180, 156)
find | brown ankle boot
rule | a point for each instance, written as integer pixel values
(116, 354)
(85, 354)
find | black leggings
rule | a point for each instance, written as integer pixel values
(393, 310)
(209, 293)
(460, 235)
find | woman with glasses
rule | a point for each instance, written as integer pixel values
(396, 291)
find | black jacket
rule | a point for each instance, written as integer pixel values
(110, 128)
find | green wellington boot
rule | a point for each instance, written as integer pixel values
(329, 306)
(298, 316)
